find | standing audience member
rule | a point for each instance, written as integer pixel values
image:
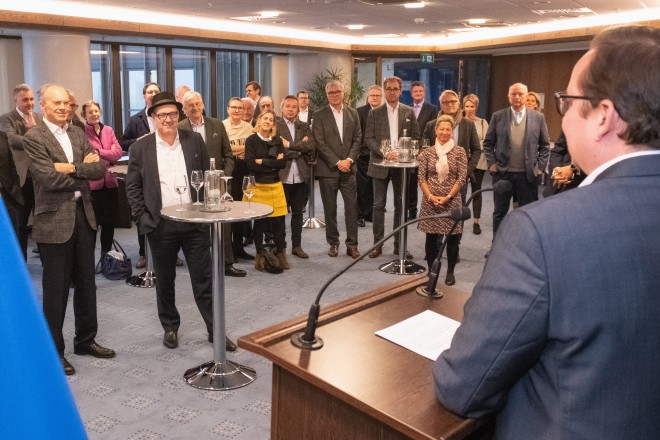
(264, 155)
(265, 103)
(155, 162)
(304, 111)
(16, 124)
(565, 175)
(442, 170)
(62, 163)
(388, 122)
(470, 106)
(253, 93)
(249, 109)
(10, 186)
(298, 146)
(217, 145)
(238, 131)
(73, 118)
(516, 148)
(365, 187)
(533, 101)
(105, 199)
(559, 339)
(337, 134)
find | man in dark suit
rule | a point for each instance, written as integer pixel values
(154, 162)
(15, 124)
(365, 187)
(305, 112)
(299, 148)
(424, 112)
(253, 93)
(391, 121)
(62, 163)
(516, 146)
(337, 135)
(560, 336)
(564, 174)
(73, 107)
(217, 142)
(10, 186)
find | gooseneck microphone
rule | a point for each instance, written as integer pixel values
(307, 339)
(434, 270)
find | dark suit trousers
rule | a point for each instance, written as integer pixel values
(412, 193)
(23, 229)
(329, 186)
(239, 230)
(72, 260)
(165, 241)
(296, 197)
(380, 200)
(365, 188)
(524, 191)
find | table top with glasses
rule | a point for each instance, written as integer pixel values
(396, 164)
(237, 213)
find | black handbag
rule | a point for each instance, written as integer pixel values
(115, 265)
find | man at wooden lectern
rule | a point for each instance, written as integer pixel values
(560, 336)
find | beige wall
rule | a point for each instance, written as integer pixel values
(11, 71)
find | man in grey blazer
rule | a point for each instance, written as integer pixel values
(337, 135)
(390, 121)
(15, 124)
(62, 163)
(517, 146)
(560, 336)
(217, 142)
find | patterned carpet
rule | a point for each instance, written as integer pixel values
(141, 393)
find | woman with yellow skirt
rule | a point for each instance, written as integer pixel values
(264, 155)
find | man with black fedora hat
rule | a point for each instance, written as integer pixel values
(154, 162)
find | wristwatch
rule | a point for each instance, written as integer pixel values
(450, 197)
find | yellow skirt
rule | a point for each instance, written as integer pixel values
(271, 194)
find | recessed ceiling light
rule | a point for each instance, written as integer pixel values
(269, 14)
(355, 27)
(414, 35)
(382, 36)
(414, 5)
(477, 21)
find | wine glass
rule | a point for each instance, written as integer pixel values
(414, 148)
(384, 148)
(249, 186)
(181, 186)
(226, 198)
(197, 181)
(425, 143)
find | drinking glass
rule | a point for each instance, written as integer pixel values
(414, 148)
(181, 186)
(226, 198)
(384, 148)
(249, 186)
(425, 143)
(197, 181)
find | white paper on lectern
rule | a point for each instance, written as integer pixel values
(428, 333)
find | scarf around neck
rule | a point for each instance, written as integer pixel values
(442, 165)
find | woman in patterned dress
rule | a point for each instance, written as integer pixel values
(442, 169)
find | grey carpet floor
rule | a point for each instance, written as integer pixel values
(141, 393)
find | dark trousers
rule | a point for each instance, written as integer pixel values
(365, 188)
(276, 225)
(524, 191)
(239, 230)
(107, 236)
(412, 193)
(476, 186)
(72, 260)
(329, 187)
(23, 229)
(433, 245)
(380, 200)
(165, 241)
(141, 244)
(296, 197)
(14, 211)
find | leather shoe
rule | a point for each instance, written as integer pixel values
(170, 339)
(298, 252)
(476, 229)
(232, 271)
(376, 252)
(361, 223)
(450, 280)
(141, 262)
(179, 262)
(95, 350)
(229, 344)
(240, 253)
(68, 368)
(334, 250)
(352, 252)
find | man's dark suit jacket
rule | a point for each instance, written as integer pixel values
(137, 126)
(14, 126)
(298, 150)
(559, 157)
(561, 335)
(143, 181)
(217, 143)
(10, 184)
(378, 128)
(330, 147)
(427, 113)
(363, 114)
(54, 204)
(467, 138)
(497, 146)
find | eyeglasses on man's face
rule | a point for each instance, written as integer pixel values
(564, 101)
(392, 89)
(235, 108)
(164, 116)
(452, 102)
(334, 93)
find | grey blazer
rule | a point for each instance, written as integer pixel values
(12, 123)
(537, 142)
(378, 128)
(143, 180)
(298, 150)
(217, 143)
(54, 204)
(329, 145)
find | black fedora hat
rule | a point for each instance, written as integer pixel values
(163, 98)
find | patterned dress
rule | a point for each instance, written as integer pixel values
(427, 173)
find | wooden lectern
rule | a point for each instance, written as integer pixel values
(360, 386)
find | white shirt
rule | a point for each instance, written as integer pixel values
(63, 138)
(303, 115)
(522, 114)
(591, 177)
(201, 129)
(393, 119)
(294, 175)
(339, 120)
(171, 163)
